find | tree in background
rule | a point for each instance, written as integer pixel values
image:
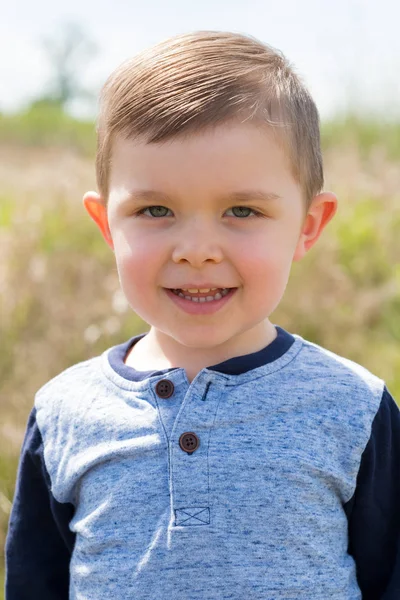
(67, 52)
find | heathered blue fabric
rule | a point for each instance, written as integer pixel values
(256, 512)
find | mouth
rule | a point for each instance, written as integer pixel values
(200, 302)
(202, 295)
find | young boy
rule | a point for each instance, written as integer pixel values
(217, 456)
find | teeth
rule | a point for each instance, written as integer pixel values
(194, 291)
(217, 296)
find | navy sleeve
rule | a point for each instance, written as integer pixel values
(374, 510)
(39, 542)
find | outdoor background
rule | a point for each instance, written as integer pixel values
(59, 296)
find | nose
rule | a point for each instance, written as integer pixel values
(197, 243)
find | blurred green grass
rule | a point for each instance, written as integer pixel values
(59, 290)
(46, 124)
(366, 133)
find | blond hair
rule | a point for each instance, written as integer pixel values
(198, 80)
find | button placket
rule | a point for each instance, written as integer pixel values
(189, 455)
(169, 405)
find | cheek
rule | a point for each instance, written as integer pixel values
(265, 259)
(136, 262)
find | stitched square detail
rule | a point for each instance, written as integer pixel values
(192, 516)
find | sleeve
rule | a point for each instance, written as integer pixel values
(374, 510)
(39, 542)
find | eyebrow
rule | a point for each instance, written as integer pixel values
(242, 196)
(251, 195)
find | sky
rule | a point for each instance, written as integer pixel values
(347, 51)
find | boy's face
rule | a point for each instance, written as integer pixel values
(227, 213)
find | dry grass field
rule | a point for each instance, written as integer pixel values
(59, 296)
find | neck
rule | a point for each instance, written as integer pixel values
(158, 351)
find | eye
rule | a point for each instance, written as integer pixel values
(155, 211)
(243, 211)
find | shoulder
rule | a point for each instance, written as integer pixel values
(77, 374)
(343, 387)
(64, 407)
(58, 400)
(72, 380)
(338, 371)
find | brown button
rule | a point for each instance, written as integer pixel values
(189, 442)
(165, 388)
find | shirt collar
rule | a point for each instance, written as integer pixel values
(233, 366)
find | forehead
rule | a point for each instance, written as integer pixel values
(226, 157)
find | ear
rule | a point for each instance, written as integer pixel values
(97, 209)
(322, 209)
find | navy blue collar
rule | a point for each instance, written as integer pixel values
(233, 366)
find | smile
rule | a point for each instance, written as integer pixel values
(220, 293)
(201, 303)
